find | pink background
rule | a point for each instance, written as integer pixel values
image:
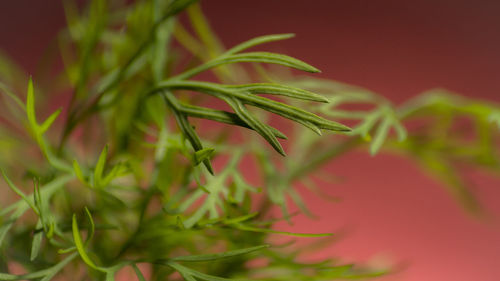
(397, 48)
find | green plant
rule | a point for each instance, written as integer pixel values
(141, 185)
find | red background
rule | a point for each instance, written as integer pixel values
(396, 48)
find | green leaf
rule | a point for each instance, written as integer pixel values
(110, 276)
(380, 135)
(78, 172)
(30, 106)
(202, 155)
(45, 274)
(255, 124)
(48, 122)
(284, 110)
(260, 57)
(400, 130)
(218, 256)
(21, 206)
(118, 170)
(91, 228)
(258, 41)
(81, 248)
(222, 117)
(58, 267)
(186, 128)
(282, 90)
(185, 271)
(19, 192)
(266, 230)
(99, 167)
(37, 240)
(11, 95)
(138, 272)
(176, 7)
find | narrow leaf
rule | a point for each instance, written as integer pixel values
(188, 271)
(48, 122)
(30, 105)
(255, 124)
(258, 41)
(380, 136)
(81, 248)
(218, 256)
(37, 240)
(78, 172)
(19, 192)
(282, 90)
(185, 127)
(261, 57)
(99, 167)
(202, 155)
(266, 230)
(138, 272)
(91, 228)
(222, 117)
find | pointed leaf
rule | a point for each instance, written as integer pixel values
(81, 248)
(19, 192)
(37, 240)
(99, 167)
(138, 272)
(218, 256)
(277, 89)
(30, 106)
(255, 124)
(78, 172)
(380, 136)
(202, 155)
(221, 116)
(258, 41)
(261, 57)
(48, 122)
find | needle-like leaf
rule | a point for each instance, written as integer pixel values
(258, 41)
(218, 256)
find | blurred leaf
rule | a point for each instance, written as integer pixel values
(218, 256)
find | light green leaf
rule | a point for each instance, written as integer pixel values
(258, 41)
(266, 230)
(380, 135)
(30, 106)
(99, 168)
(221, 116)
(185, 271)
(282, 90)
(11, 95)
(37, 240)
(261, 57)
(218, 256)
(202, 155)
(91, 226)
(78, 172)
(19, 192)
(48, 122)
(81, 248)
(45, 274)
(284, 110)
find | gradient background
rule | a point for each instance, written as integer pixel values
(396, 48)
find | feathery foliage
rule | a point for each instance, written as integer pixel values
(117, 181)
